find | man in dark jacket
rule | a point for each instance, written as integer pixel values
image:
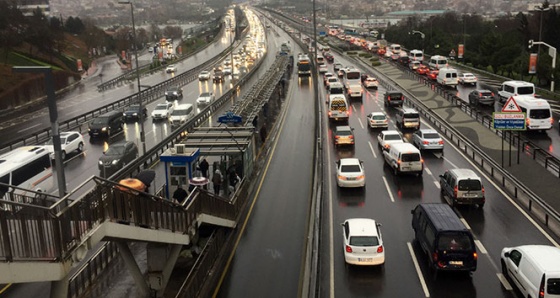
(204, 168)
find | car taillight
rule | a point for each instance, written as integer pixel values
(360, 177)
(527, 121)
(479, 94)
(455, 190)
(421, 160)
(482, 190)
(398, 161)
(492, 94)
(351, 137)
(435, 257)
(541, 287)
(340, 177)
(475, 256)
(425, 142)
(348, 248)
(402, 97)
(551, 120)
(380, 249)
(336, 137)
(440, 142)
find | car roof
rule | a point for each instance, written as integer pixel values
(67, 133)
(393, 92)
(465, 173)
(349, 161)
(409, 110)
(424, 130)
(443, 217)
(362, 227)
(482, 90)
(547, 257)
(343, 127)
(390, 132)
(378, 114)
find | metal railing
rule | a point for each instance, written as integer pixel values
(538, 208)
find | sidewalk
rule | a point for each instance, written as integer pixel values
(530, 173)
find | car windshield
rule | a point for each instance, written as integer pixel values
(431, 136)
(392, 137)
(539, 114)
(343, 133)
(334, 90)
(454, 241)
(364, 241)
(99, 120)
(353, 75)
(115, 150)
(204, 94)
(161, 107)
(134, 108)
(350, 169)
(469, 184)
(395, 96)
(378, 117)
(179, 113)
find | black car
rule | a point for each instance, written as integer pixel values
(337, 66)
(116, 157)
(404, 60)
(483, 97)
(133, 112)
(173, 93)
(218, 75)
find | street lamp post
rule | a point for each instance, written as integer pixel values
(542, 10)
(422, 36)
(141, 116)
(552, 52)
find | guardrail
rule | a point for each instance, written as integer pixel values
(147, 96)
(540, 209)
(130, 75)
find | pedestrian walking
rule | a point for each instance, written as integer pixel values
(204, 168)
(217, 181)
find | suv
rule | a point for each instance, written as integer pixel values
(106, 124)
(343, 135)
(134, 112)
(511, 88)
(173, 93)
(462, 186)
(70, 141)
(407, 118)
(393, 98)
(388, 137)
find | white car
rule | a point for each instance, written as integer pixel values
(323, 68)
(69, 141)
(427, 139)
(204, 75)
(171, 68)
(371, 83)
(162, 111)
(467, 78)
(363, 243)
(388, 137)
(227, 71)
(350, 173)
(377, 120)
(330, 81)
(205, 98)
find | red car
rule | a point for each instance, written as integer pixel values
(422, 70)
(432, 75)
(381, 51)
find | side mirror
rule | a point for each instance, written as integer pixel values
(412, 211)
(440, 176)
(342, 224)
(506, 254)
(379, 225)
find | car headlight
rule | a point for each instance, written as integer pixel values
(114, 162)
(124, 114)
(104, 129)
(135, 114)
(100, 163)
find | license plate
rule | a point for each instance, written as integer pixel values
(350, 178)
(365, 259)
(456, 263)
(405, 168)
(467, 195)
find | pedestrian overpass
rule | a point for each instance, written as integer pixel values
(41, 237)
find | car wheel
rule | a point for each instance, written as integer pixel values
(80, 147)
(504, 270)
(63, 154)
(480, 206)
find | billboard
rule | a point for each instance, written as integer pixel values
(460, 51)
(533, 63)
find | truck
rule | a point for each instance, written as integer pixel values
(303, 65)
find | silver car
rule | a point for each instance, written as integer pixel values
(427, 139)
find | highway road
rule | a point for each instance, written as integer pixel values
(268, 258)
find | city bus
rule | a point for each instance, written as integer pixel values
(26, 167)
(303, 65)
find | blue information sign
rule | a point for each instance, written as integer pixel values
(230, 117)
(322, 33)
(508, 121)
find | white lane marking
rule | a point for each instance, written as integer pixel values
(452, 164)
(354, 108)
(437, 184)
(361, 124)
(504, 282)
(428, 171)
(418, 271)
(529, 218)
(465, 223)
(30, 127)
(480, 247)
(372, 150)
(439, 155)
(388, 189)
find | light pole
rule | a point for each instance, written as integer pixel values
(542, 10)
(141, 116)
(422, 35)
(552, 52)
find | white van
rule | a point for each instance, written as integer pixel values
(437, 62)
(404, 158)
(338, 108)
(181, 114)
(395, 48)
(534, 269)
(448, 77)
(514, 88)
(538, 115)
(416, 55)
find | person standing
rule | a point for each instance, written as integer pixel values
(217, 181)
(204, 168)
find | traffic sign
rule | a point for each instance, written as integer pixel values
(322, 33)
(511, 106)
(230, 117)
(508, 121)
